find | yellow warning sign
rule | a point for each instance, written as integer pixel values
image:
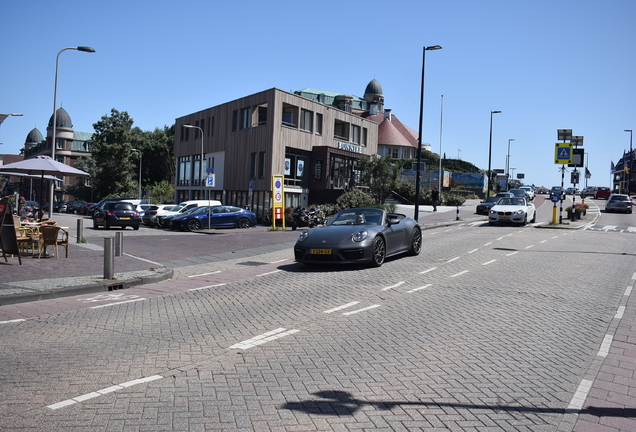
(563, 153)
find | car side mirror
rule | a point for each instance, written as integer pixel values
(394, 220)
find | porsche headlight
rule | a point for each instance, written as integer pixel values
(360, 236)
(303, 236)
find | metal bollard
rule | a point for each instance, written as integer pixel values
(119, 243)
(457, 213)
(80, 230)
(109, 258)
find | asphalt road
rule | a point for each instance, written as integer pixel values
(489, 328)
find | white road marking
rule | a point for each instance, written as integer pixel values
(104, 391)
(268, 273)
(489, 262)
(281, 260)
(419, 288)
(336, 309)
(205, 287)
(426, 271)
(512, 253)
(580, 395)
(543, 241)
(393, 286)
(628, 291)
(474, 250)
(143, 259)
(620, 312)
(528, 247)
(12, 321)
(264, 338)
(453, 259)
(361, 310)
(605, 346)
(109, 297)
(205, 274)
(460, 273)
(117, 303)
(609, 227)
(488, 244)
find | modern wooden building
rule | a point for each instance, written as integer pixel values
(312, 137)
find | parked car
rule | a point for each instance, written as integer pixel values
(618, 203)
(183, 207)
(514, 210)
(529, 191)
(214, 217)
(483, 208)
(588, 191)
(117, 213)
(166, 220)
(59, 207)
(83, 209)
(149, 217)
(602, 192)
(141, 209)
(359, 235)
(73, 206)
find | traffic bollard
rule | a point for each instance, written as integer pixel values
(80, 230)
(109, 258)
(119, 243)
(457, 213)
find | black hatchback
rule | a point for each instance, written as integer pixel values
(117, 213)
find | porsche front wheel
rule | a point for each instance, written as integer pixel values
(379, 252)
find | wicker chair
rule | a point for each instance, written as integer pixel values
(24, 236)
(53, 236)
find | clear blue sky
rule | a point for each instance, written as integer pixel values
(546, 64)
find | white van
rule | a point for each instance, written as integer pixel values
(185, 206)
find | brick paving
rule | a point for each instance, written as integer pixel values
(460, 354)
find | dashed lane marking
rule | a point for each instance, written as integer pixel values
(263, 338)
(12, 321)
(393, 286)
(605, 346)
(205, 274)
(268, 273)
(361, 310)
(460, 273)
(345, 306)
(426, 271)
(206, 287)
(620, 312)
(117, 303)
(580, 395)
(489, 262)
(418, 289)
(104, 391)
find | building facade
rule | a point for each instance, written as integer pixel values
(313, 138)
(70, 145)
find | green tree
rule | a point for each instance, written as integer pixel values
(84, 187)
(380, 174)
(112, 143)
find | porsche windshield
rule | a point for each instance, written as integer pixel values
(357, 217)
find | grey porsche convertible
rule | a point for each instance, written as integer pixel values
(359, 235)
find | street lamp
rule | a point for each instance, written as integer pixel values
(508, 163)
(140, 155)
(53, 143)
(201, 162)
(419, 139)
(631, 159)
(490, 153)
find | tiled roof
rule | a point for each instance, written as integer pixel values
(393, 131)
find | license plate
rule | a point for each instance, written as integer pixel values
(504, 217)
(124, 217)
(321, 251)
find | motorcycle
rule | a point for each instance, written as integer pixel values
(301, 217)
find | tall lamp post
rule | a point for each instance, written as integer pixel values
(140, 155)
(508, 162)
(490, 153)
(201, 162)
(419, 139)
(4, 116)
(53, 142)
(441, 115)
(631, 160)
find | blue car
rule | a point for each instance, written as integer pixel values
(218, 217)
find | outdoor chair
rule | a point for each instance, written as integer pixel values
(53, 236)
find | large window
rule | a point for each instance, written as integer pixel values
(290, 115)
(261, 165)
(246, 118)
(364, 136)
(184, 170)
(355, 134)
(341, 130)
(253, 165)
(307, 120)
(262, 115)
(319, 124)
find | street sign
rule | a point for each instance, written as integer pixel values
(554, 197)
(563, 153)
(210, 180)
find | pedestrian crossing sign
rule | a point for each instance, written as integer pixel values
(563, 153)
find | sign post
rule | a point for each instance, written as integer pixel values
(210, 182)
(278, 202)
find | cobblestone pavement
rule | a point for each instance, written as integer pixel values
(489, 328)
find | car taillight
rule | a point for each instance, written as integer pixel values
(110, 213)
(136, 214)
(152, 212)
